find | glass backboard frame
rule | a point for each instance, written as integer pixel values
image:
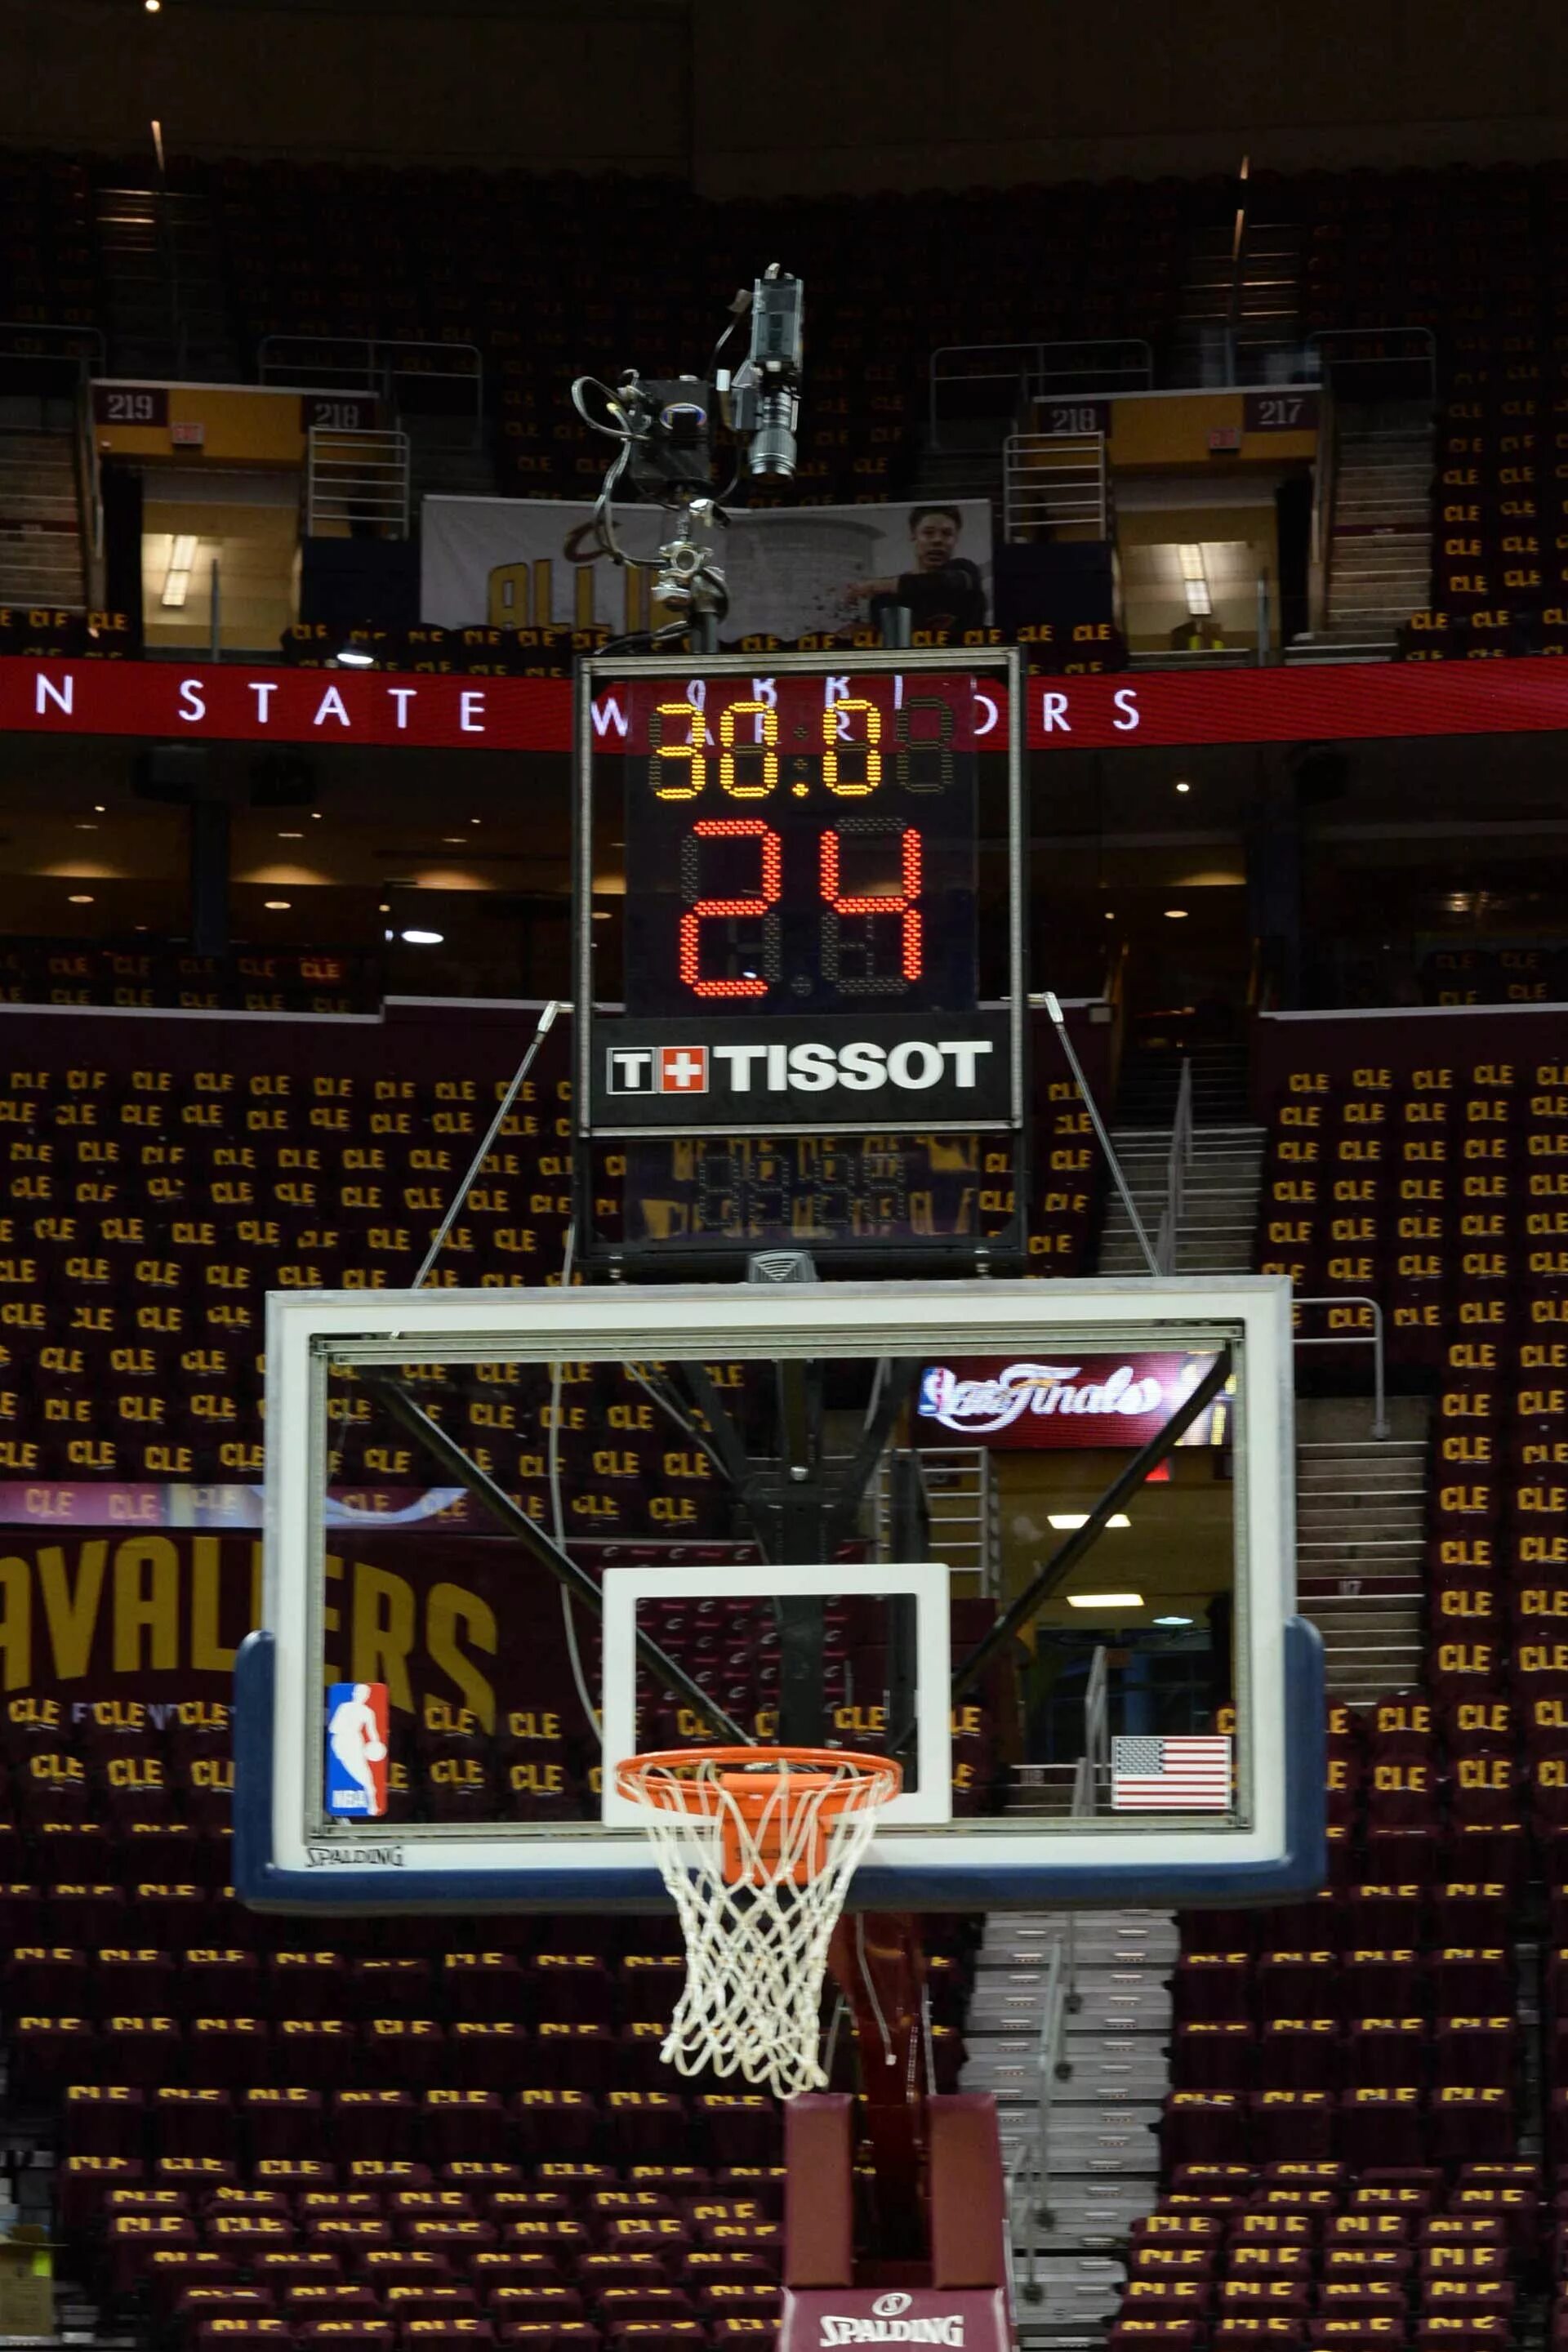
(1276, 1849)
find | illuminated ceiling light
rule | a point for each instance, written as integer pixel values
(81, 898)
(475, 820)
(182, 563)
(454, 840)
(422, 938)
(1184, 788)
(152, 6)
(1173, 1620)
(278, 905)
(1195, 579)
(98, 808)
(1105, 1601)
(355, 657)
(383, 909)
(1176, 914)
(291, 836)
(601, 914)
(84, 825)
(1066, 1520)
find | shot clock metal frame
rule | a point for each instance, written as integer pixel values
(958, 1068)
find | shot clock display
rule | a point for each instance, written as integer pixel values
(807, 848)
(820, 928)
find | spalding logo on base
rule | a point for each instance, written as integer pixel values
(819, 2319)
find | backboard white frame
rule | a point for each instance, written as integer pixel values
(287, 1856)
(926, 1580)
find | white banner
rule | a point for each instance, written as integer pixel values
(792, 572)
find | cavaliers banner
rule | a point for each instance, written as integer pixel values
(791, 572)
(1077, 1402)
(451, 1625)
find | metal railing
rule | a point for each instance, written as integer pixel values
(1373, 1338)
(1028, 2185)
(428, 379)
(1054, 481)
(963, 1507)
(988, 384)
(1347, 347)
(1092, 1771)
(1178, 1161)
(75, 354)
(356, 483)
(1325, 473)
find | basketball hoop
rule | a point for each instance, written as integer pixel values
(757, 1846)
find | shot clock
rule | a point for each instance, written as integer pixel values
(821, 924)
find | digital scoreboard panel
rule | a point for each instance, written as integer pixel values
(810, 1025)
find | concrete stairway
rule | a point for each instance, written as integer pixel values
(40, 522)
(1361, 1532)
(1380, 551)
(1236, 312)
(163, 284)
(1218, 1228)
(1151, 1081)
(1102, 2155)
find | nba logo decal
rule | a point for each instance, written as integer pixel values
(356, 1750)
(683, 1069)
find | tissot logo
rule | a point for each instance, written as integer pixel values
(657, 1070)
(862, 1065)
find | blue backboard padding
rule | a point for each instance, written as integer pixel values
(1056, 1879)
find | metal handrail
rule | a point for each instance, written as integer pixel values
(1354, 1338)
(1324, 483)
(1029, 2180)
(1095, 1763)
(356, 478)
(1039, 367)
(368, 363)
(91, 357)
(1426, 355)
(1178, 1160)
(1054, 481)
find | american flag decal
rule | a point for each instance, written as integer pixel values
(1189, 1774)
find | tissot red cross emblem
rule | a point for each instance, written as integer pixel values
(683, 1069)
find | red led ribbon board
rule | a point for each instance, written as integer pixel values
(239, 702)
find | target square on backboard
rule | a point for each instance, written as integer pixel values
(927, 1796)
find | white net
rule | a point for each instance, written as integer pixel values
(757, 1849)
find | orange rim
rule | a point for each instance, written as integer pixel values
(679, 1795)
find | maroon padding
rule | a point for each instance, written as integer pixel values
(819, 2198)
(968, 2205)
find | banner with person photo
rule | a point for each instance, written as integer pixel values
(792, 572)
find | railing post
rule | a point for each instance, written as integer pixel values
(1348, 1339)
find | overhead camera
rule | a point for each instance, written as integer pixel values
(664, 427)
(761, 401)
(670, 447)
